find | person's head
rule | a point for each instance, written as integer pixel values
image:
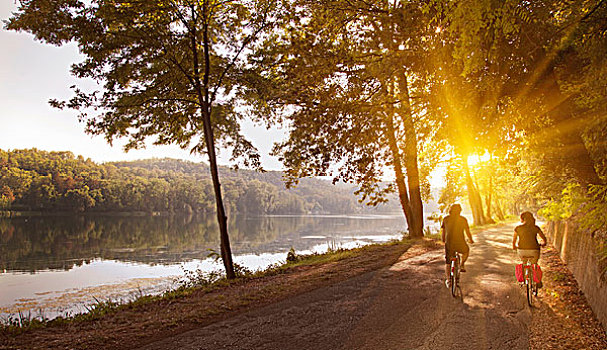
(455, 209)
(527, 218)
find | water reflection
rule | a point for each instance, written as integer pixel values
(61, 264)
(30, 244)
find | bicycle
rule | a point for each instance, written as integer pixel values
(530, 285)
(454, 273)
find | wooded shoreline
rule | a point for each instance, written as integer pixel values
(35, 182)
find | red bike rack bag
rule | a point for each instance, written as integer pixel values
(537, 274)
(518, 272)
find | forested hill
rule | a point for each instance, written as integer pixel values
(202, 171)
(60, 181)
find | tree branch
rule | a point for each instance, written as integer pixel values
(246, 42)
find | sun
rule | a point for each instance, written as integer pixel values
(475, 159)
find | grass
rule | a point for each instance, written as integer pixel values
(20, 322)
(320, 258)
(192, 281)
(23, 321)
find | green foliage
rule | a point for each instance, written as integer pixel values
(60, 181)
(454, 187)
(164, 68)
(340, 76)
(588, 209)
(292, 256)
(523, 81)
(331, 255)
(199, 278)
(6, 197)
(573, 201)
(242, 271)
(529, 72)
(555, 211)
(167, 70)
(22, 322)
(595, 208)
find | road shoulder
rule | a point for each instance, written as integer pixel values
(563, 319)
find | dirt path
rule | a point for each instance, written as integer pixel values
(404, 306)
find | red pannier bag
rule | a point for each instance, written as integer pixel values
(518, 272)
(537, 274)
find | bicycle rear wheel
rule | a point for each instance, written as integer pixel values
(453, 277)
(529, 285)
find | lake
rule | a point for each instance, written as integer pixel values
(57, 265)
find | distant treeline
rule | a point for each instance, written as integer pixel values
(59, 181)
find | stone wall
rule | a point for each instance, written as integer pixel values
(578, 251)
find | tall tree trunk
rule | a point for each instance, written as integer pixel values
(488, 200)
(204, 99)
(398, 172)
(488, 203)
(410, 156)
(498, 210)
(476, 203)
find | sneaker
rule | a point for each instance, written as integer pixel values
(447, 284)
(462, 270)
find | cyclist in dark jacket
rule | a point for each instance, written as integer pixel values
(453, 227)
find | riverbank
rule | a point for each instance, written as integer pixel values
(55, 266)
(152, 318)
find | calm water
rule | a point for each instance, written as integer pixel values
(56, 265)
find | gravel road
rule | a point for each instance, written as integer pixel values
(404, 306)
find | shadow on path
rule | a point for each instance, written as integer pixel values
(403, 306)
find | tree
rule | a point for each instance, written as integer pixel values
(42, 193)
(6, 197)
(170, 69)
(79, 199)
(258, 198)
(521, 63)
(341, 75)
(17, 179)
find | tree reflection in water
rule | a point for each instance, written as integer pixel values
(72, 260)
(30, 244)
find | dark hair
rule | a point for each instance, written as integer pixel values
(455, 209)
(527, 218)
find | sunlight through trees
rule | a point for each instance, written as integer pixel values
(508, 96)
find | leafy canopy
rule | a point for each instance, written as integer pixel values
(147, 59)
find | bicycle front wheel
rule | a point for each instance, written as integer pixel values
(453, 283)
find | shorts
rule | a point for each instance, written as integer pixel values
(450, 251)
(529, 253)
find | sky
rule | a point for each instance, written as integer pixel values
(32, 73)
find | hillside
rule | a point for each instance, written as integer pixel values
(60, 181)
